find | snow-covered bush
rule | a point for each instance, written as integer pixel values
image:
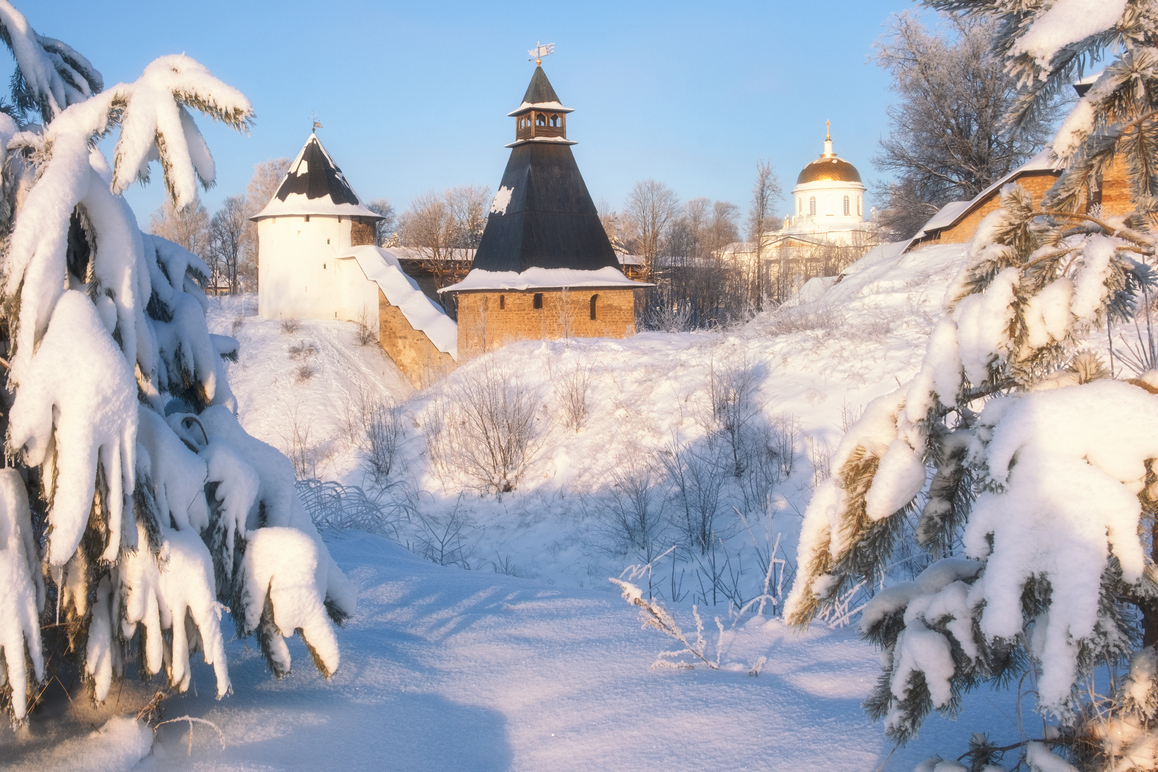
(1035, 466)
(136, 511)
(486, 428)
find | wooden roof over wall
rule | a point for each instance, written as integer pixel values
(549, 220)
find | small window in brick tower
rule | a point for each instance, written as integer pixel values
(538, 302)
(502, 302)
(594, 307)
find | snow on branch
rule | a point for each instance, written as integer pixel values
(51, 75)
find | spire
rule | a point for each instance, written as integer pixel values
(828, 139)
(543, 215)
(541, 117)
(539, 90)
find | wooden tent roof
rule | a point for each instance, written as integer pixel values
(314, 184)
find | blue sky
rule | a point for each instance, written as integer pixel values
(414, 97)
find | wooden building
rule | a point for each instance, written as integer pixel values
(957, 221)
(544, 266)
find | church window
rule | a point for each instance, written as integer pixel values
(858, 205)
(502, 302)
(555, 121)
(846, 207)
(812, 206)
(800, 206)
(538, 300)
(540, 119)
(594, 307)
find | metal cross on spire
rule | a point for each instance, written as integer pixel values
(540, 50)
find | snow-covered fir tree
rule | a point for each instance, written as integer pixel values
(134, 510)
(1026, 470)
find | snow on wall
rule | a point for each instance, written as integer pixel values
(380, 267)
(543, 278)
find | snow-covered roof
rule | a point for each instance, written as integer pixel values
(543, 278)
(955, 211)
(381, 267)
(314, 185)
(553, 140)
(947, 215)
(554, 107)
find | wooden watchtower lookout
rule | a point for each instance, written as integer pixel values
(544, 267)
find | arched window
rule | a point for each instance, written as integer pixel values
(540, 119)
(846, 207)
(800, 206)
(594, 307)
(538, 300)
(859, 212)
(555, 121)
(812, 206)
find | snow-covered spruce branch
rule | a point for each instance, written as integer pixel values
(137, 510)
(1041, 503)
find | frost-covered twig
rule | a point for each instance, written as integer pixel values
(192, 720)
(656, 616)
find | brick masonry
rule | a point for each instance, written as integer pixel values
(1037, 183)
(489, 320)
(411, 350)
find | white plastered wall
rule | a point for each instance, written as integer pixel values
(296, 270)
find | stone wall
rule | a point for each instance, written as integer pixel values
(411, 350)
(1037, 183)
(361, 231)
(489, 320)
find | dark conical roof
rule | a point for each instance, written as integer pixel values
(314, 184)
(540, 92)
(543, 216)
(539, 89)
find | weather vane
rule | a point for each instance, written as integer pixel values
(316, 120)
(540, 50)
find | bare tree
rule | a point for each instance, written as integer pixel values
(226, 243)
(427, 227)
(761, 220)
(649, 210)
(267, 176)
(947, 140)
(468, 207)
(186, 226)
(384, 228)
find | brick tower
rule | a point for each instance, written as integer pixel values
(544, 267)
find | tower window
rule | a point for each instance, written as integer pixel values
(307, 218)
(812, 206)
(859, 212)
(555, 121)
(800, 206)
(502, 302)
(846, 206)
(594, 307)
(538, 300)
(540, 119)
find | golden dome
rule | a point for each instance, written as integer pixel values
(828, 169)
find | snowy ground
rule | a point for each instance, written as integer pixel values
(445, 669)
(531, 660)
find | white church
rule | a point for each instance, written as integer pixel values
(317, 260)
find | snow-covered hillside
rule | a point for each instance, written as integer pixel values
(531, 660)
